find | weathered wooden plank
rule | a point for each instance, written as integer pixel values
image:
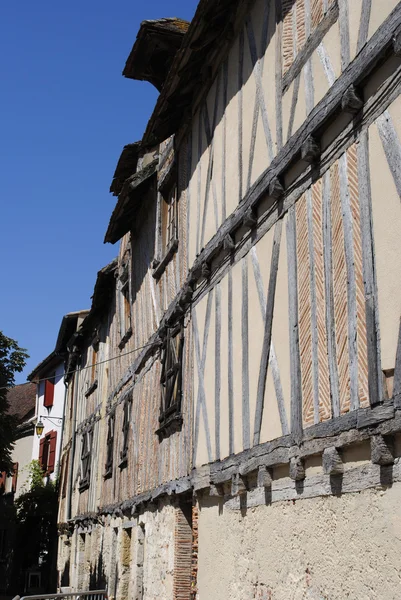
(309, 87)
(199, 184)
(264, 361)
(246, 441)
(224, 141)
(259, 86)
(217, 383)
(382, 412)
(397, 373)
(279, 74)
(329, 297)
(263, 45)
(272, 356)
(295, 365)
(351, 282)
(369, 270)
(313, 324)
(343, 18)
(309, 48)
(230, 369)
(326, 64)
(240, 111)
(364, 24)
(201, 362)
(391, 146)
(294, 102)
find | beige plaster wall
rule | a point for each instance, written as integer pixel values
(22, 454)
(386, 208)
(322, 548)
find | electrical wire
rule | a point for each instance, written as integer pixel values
(101, 362)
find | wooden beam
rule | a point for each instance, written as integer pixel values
(264, 361)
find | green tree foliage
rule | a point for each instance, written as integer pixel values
(36, 529)
(12, 360)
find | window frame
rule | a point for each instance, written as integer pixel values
(48, 391)
(171, 359)
(168, 215)
(85, 460)
(108, 467)
(47, 452)
(126, 424)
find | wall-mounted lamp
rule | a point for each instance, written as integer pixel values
(39, 427)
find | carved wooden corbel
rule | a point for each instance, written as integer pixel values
(250, 218)
(310, 151)
(332, 462)
(381, 450)
(351, 102)
(276, 189)
(297, 468)
(238, 487)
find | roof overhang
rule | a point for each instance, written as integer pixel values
(134, 190)
(154, 50)
(209, 35)
(126, 166)
(67, 328)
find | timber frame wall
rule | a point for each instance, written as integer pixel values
(312, 212)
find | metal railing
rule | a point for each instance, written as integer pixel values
(83, 595)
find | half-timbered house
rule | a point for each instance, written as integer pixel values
(235, 391)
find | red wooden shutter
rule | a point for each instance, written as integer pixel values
(3, 476)
(49, 393)
(15, 478)
(52, 451)
(41, 448)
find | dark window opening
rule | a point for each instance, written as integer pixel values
(110, 447)
(125, 430)
(87, 438)
(171, 381)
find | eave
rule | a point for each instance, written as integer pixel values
(126, 166)
(210, 33)
(134, 190)
(154, 50)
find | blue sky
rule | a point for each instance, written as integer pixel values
(65, 114)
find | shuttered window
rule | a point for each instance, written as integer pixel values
(171, 380)
(47, 452)
(15, 478)
(49, 391)
(3, 477)
(86, 448)
(110, 446)
(125, 431)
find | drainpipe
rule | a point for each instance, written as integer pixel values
(62, 430)
(73, 444)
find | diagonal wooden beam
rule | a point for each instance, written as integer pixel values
(264, 361)
(201, 362)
